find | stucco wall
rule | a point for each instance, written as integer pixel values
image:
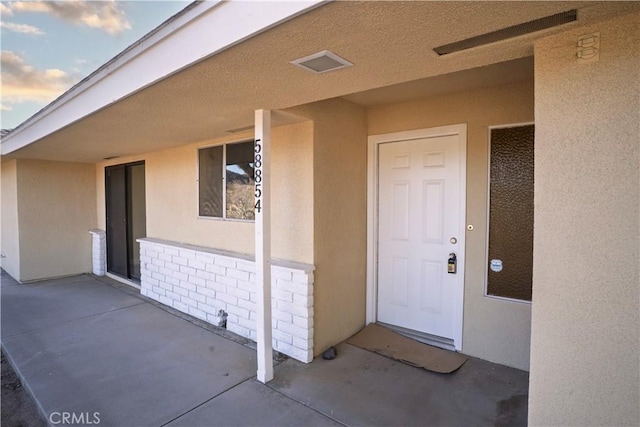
(339, 211)
(172, 197)
(585, 326)
(10, 247)
(56, 208)
(494, 329)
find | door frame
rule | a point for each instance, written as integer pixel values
(372, 216)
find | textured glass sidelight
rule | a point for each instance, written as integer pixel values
(210, 181)
(510, 263)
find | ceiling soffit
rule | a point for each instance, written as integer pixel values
(388, 43)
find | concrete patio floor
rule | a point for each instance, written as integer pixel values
(88, 345)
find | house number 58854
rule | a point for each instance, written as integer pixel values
(257, 167)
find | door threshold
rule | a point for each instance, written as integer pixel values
(434, 340)
(123, 280)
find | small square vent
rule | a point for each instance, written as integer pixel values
(322, 62)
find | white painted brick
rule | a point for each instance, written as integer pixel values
(225, 280)
(279, 294)
(203, 274)
(144, 291)
(247, 286)
(152, 295)
(165, 271)
(295, 288)
(253, 277)
(280, 273)
(304, 301)
(240, 293)
(216, 269)
(302, 322)
(237, 329)
(204, 257)
(171, 251)
(240, 312)
(295, 330)
(158, 262)
(303, 278)
(247, 323)
(166, 301)
(152, 281)
(190, 302)
(247, 266)
(206, 292)
(187, 285)
(216, 303)
(181, 306)
(294, 309)
(225, 261)
(180, 291)
(158, 276)
(196, 296)
(197, 281)
(253, 296)
(180, 276)
(213, 319)
(197, 313)
(188, 270)
(180, 260)
(172, 266)
(151, 253)
(165, 286)
(296, 353)
(302, 343)
(281, 315)
(152, 267)
(172, 281)
(251, 306)
(218, 287)
(187, 253)
(207, 308)
(165, 257)
(238, 274)
(232, 319)
(174, 296)
(194, 263)
(282, 336)
(158, 290)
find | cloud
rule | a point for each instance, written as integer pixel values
(5, 107)
(21, 28)
(104, 15)
(23, 83)
(4, 10)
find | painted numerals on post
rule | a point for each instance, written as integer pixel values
(257, 167)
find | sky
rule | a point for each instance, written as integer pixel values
(48, 46)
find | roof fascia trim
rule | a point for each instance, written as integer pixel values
(207, 28)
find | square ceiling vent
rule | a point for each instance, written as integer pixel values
(322, 62)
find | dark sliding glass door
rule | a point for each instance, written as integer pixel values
(126, 218)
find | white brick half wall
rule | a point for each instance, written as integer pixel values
(203, 282)
(99, 252)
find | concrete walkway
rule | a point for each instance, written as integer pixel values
(85, 345)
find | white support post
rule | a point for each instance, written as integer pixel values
(262, 152)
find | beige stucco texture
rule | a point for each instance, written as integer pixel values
(586, 316)
(9, 238)
(172, 197)
(339, 212)
(54, 204)
(494, 329)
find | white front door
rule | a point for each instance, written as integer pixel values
(421, 213)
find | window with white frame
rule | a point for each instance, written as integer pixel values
(226, 181)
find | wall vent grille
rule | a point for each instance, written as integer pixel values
(509, 32)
